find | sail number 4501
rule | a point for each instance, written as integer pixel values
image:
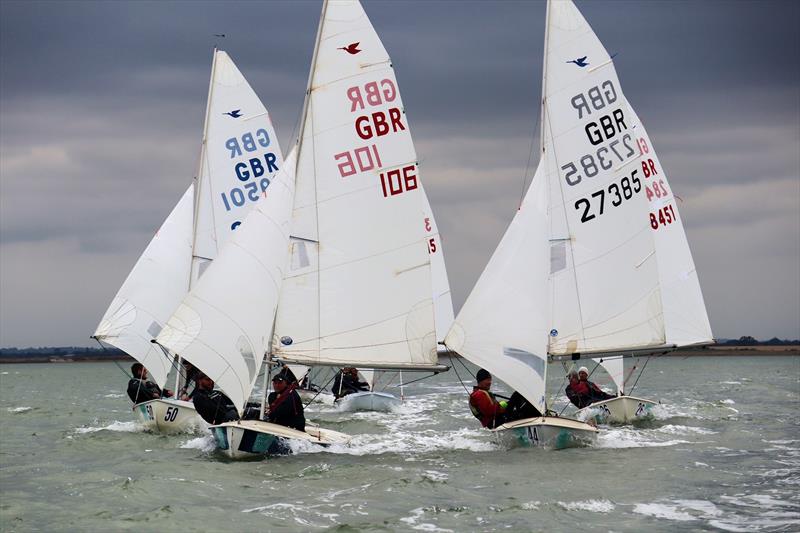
(595, 205)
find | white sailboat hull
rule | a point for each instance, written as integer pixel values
(546, 432)
(244, 439)
(325, 398)
(368, 401)
(168, 416)
(619, 410)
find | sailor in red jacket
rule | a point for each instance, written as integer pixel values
(583, 392)
(483, 403)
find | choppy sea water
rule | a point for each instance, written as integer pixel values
(723, 454)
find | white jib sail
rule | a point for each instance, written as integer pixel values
(224, 325)
(240, 157)
(502, 326)
(359, 290)
(152, 291)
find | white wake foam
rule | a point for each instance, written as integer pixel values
(594, 506)
(124, 427)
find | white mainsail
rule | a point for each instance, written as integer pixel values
(239, 155)
(579, 269)
(359, 290)
(152, 290)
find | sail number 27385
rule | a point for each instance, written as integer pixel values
(595, 205)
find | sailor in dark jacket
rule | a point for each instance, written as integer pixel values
(285, 405)
(212, 405)
(346, 382)
(140, 390)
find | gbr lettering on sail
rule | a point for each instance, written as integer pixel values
(375, 116)
(612, 144)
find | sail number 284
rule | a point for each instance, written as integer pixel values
(597, 203)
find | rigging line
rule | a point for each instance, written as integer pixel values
(179, 368)
(460, 380)
(389, 381)
(115, 361)
(637, 377)
(560, 387)
(415, 380)
(527, 168)
(320, 391)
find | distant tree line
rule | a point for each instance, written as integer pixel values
(61, 351)
(747, 340)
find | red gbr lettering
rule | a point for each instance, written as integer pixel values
(649, 168)
(374, 93)
(368, 126)
(359, 160)
(398, 181)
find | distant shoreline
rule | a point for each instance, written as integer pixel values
(712, 351)
(734, 350)
(64, 359)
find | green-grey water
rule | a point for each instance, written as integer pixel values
(722, 454)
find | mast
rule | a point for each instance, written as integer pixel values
(198, 187)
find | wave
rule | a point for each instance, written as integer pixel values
(124, 427)
(18, 409)
(741, 513)
(205, 444)
(594, 506)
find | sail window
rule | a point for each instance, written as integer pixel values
(529, 359)
(558, 256)
(154, 329)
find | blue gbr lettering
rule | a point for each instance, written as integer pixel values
(254, 168)
(248, 142)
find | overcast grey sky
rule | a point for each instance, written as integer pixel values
(101, 112)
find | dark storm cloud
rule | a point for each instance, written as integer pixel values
(101, 112)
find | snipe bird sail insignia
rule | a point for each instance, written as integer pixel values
(581, 61)
(236, 113)
(351, 49)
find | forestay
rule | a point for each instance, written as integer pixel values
(359, 291)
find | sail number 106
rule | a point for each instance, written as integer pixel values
(398, 180)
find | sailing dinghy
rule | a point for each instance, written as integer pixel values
(595, 263)
(238, 158)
